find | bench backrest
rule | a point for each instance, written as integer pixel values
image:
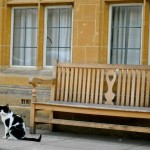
(126, 85)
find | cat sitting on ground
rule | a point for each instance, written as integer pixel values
(14, 125)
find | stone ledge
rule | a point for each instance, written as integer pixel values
(24, 91)
(27, 71)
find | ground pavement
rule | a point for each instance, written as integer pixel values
(67, 141)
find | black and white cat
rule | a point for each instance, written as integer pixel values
(14, 125)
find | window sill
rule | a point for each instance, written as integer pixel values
(27, 71)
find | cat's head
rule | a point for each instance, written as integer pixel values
(4, 110)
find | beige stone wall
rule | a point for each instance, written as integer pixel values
(90, 28)
(86, 33)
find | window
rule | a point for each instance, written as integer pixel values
(125, 43)
(58, 35)
(24, 42)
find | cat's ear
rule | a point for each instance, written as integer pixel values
(7, 105)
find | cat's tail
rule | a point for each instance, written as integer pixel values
(32, 139)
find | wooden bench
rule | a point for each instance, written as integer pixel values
(95, 89)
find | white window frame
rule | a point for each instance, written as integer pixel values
(11, 41)
(45, 32)
(110, 22)
(149, 43)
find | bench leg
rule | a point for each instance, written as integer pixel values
(32, 120)
(51, 118)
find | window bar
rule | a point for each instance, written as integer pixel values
(127, 34)
(117, 60)
(25, 34)
(111, 50)
(58, 37)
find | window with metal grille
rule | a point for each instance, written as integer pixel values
(125, 43)
(58, 35)
(24, 42)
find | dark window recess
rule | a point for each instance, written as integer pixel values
(25, 101)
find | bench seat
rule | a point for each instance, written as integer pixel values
(93, 106)
(92, 109)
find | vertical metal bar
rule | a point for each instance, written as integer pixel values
(58, 36)
(127, 34)
(70, 33)
(117, 61)
(25, 33)
(111, 48)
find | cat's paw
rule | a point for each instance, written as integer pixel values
(4, 137)
(11, 138)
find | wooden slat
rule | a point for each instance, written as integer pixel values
(123, 88)
(67, 85)
(147, 101)
(92, 87)
(133, 88)
(93, 125)
(138, 84)
(88, 86)
(128, 88)
(52, 95)
(79, 94)
(101, 87)
(71, 84)
(106, 110)
(32, 119)
(119, 87)
(97, 86)
(58, 83)
(75, 85)
(102, 125)
(62, 85)
(51, 114)
(84, 85)
(142, 89)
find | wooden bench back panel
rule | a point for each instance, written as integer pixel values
(133, 88)
(124, 85)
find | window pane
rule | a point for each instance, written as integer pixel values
(135, 17)
(51, 56)
(64, 55)
(24, 37)
(118, 35)
(19, 35)
(133, 53)
(119, 17)
(134, 39)
(65, 20)
(31, 18)
(58, 44)
(18, 56)
(52, 37)
(117, 56)
(53, 18)
(19, 18)
(30, 61)
(65, 37)
(125, 34)
(31, 41)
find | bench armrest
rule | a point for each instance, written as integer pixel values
(35, 81)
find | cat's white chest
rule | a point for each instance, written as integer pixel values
(8, 116)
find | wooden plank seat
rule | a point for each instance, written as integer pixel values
(100, 90)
